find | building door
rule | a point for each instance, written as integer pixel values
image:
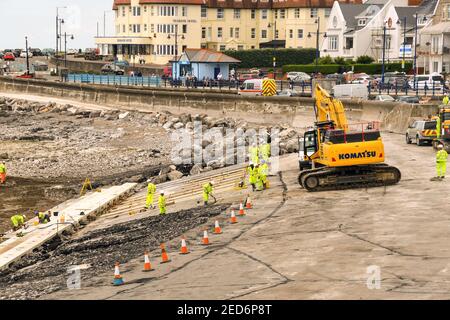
(216, 72)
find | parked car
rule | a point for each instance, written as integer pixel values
(298, 76)
(23, 54)
(362, 80)
(48, 52)
(340, 78)
(122, 63)
(9, 56)
(384, 97)
(430, 81)
(111, 68)
(36, 52)
(17, 52)
(422, 131)
(287, 93)
(409, 99)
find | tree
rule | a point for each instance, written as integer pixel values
(364, 60)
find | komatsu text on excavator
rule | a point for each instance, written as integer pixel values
(339, 155)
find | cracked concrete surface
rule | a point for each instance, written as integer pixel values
(300, 245)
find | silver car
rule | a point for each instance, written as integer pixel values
(422, 131)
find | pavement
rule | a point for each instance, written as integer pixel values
(299, 245)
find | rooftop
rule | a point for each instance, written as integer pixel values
(207, 56)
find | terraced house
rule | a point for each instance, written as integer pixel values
(158, 30)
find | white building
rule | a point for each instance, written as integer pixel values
(358, 29)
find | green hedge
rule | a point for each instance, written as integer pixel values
(264, 57)
(373, 68)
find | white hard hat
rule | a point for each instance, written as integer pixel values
(162, 192)
(149, 180)
(440, 146)
(24, 216)
(251, 162)
(212, 182)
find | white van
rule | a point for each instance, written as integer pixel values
(351, 90)
(258, 87)
(430, 80)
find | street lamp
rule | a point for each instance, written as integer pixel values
(404, 40)
(176, 35)
(318, 33)
(65, 47)
(28, 61)
(57, 27)
(274, 58)
(416, 15)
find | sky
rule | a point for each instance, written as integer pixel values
(37, 20)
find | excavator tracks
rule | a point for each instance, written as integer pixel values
(339, 178)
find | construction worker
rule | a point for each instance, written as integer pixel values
(259, 185)
(162, 204)
(2, 172)
(264, 149)
(43, 217)
(18, 221)
(446, 99)
(263, 172)
(151, 190)
(441, 162)
(253, 153)
(207, 191)
(252, 174)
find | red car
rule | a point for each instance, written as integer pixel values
(9, 56)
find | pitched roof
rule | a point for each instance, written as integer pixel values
(407, 12)
(350, 11)
(208, 56)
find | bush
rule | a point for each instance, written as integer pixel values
(364, 60)
(341, 61)
(264, 57)
(373, 68)
(325, 60)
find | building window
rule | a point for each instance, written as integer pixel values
(209, 32)
(219, 13)
(240, 47)
(264, 34)
(253, 14)
(184, 28)
(264, 14)
(130, 28)
(152, 28)
(435, 44)
(203, 33)
(435, 66)
(327, 12)
(204, 11)
(123, 11)
(276, 34)
(237, 13)
(283, 14)
(253, 33)
(222, 47)
(231, 32)
(145, 8)
(332, 43)
(361, 22)
(136, 11)
(145, 28)
(291, 33)
(300, 33)
(447, 12)
(297, 13)
(276, 13)
(313, 12)
(445, 67)
(219, 32)
(152, 11)
(124, 28)
(184, 11)
(236, 33)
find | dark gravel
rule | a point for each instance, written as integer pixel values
(45, 270)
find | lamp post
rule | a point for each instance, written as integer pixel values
(274, 58)
(57, 26)
(404, 40)
(176, 35)
(26, 50)
(65, 47)
(318, 33)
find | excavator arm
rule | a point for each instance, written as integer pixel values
(328, 108)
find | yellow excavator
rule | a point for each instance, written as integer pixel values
(339, 155)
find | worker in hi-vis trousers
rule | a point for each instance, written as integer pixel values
(259, 179)
(264, 172)
(151, 190)
(253, 153)
(252, 173)
(207, 191)
(2, 172)
(18, 221)
(441, 162)
(162, 203)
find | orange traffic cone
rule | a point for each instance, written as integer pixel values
(233, 217)
(184, 249)
(217, 228)
(248, 203)
(205, 240)
(118, 281)
(164, 256)
(147, 264)
(241, 209)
